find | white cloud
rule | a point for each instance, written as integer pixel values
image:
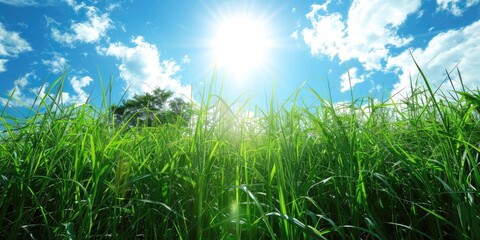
(472, 2)
(142, 70)
(89, 31)
(57, 64)
(367, 35)
(327, 35)
(443, 52)
(323, 7)
(420, 13)
(50, 21)
(350, 79)
(20, 95)
(374, 88)
(186, 59)
(79, 95)
(456, 7)
(20, 3)
(112, 6)
(74, 5)
(78, 84)
(11, 44)
(28, 3)
(2, 65)
(372, 27)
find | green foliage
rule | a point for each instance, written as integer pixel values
(152, 109)
(367, 170)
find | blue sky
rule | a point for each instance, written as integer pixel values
(254, 46)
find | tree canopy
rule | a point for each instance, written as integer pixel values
(152, 109)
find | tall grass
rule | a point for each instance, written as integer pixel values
(393, 170)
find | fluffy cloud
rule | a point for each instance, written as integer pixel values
(350, 79)
(369, 35)
(11, 44)
(57, 64)
(142, 70)
(443, 52)
(327, 35)
(332, 36)
(323, 7)
(89, 31)
(456, 7)
(20, 95)
(186, 59)
(80, 96)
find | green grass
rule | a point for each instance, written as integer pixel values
(366, 170)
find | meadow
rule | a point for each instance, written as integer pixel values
(404, 169)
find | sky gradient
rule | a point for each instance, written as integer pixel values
(251, 46)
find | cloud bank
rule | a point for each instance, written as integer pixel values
(369, 35)
(445, 51)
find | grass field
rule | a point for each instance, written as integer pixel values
(366, 170)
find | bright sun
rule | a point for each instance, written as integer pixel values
(240, 45)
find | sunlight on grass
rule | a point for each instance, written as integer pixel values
(364, 170)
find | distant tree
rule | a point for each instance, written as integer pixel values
(152, 109)
(180, 108)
